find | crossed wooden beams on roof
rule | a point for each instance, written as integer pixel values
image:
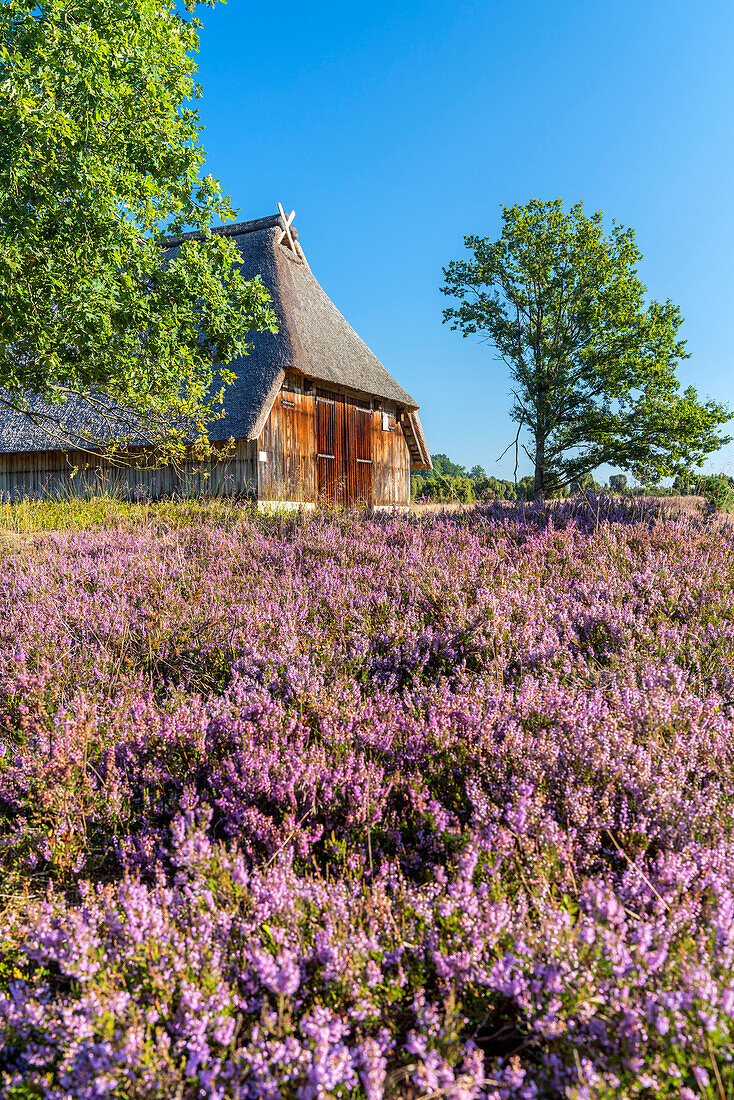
(286, 237)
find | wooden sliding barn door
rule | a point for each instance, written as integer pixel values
(344, 442)
(330, 445)
(358, 453)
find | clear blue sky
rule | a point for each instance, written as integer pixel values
(394, 129)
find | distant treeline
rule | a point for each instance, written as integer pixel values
(449, 482)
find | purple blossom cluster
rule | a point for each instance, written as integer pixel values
(343, 806)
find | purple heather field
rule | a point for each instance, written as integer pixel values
(340, 806)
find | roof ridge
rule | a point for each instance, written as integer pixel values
(235, 230)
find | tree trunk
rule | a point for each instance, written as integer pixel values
(539, 485)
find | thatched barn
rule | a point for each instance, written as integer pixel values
(314, 415)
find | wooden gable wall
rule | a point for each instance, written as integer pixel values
(334, 447)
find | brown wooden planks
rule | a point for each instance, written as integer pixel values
(330, 444)
(53, 474)
(392, 462)
(358, 424)
(288, 444)
(366, 465)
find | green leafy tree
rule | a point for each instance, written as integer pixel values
(442, 464)
(524, 488)
(618, 483)
(585, 483)
(99, 160)
(416, 486)
(478, 473)
(718, 491)
(445, 488)
(463, 489)
(592, 365)
(687, 484)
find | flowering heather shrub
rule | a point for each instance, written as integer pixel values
(341, 807)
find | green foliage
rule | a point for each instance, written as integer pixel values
(417, 482)
(442, 489)
(686, 484)
(442, 464)
(448, 482)
(717, 489)
(618, 483)
(501, 489)
(524, 488)
(718, 492)
(583, 484)
(464, 488)
(592, 365)
(99, 159)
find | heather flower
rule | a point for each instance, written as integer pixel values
(368, 807)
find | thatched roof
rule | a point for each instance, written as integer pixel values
(313, 339)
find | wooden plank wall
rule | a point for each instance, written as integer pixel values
(288, 442)
(305, 422)
(52, 474)
(289, 471)
(330, 458)
(391, 460)
(359, 428)
(368, 459)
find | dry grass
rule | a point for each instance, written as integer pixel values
(436, 506)
(683, 506)
(26, 517)
(11, 541)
